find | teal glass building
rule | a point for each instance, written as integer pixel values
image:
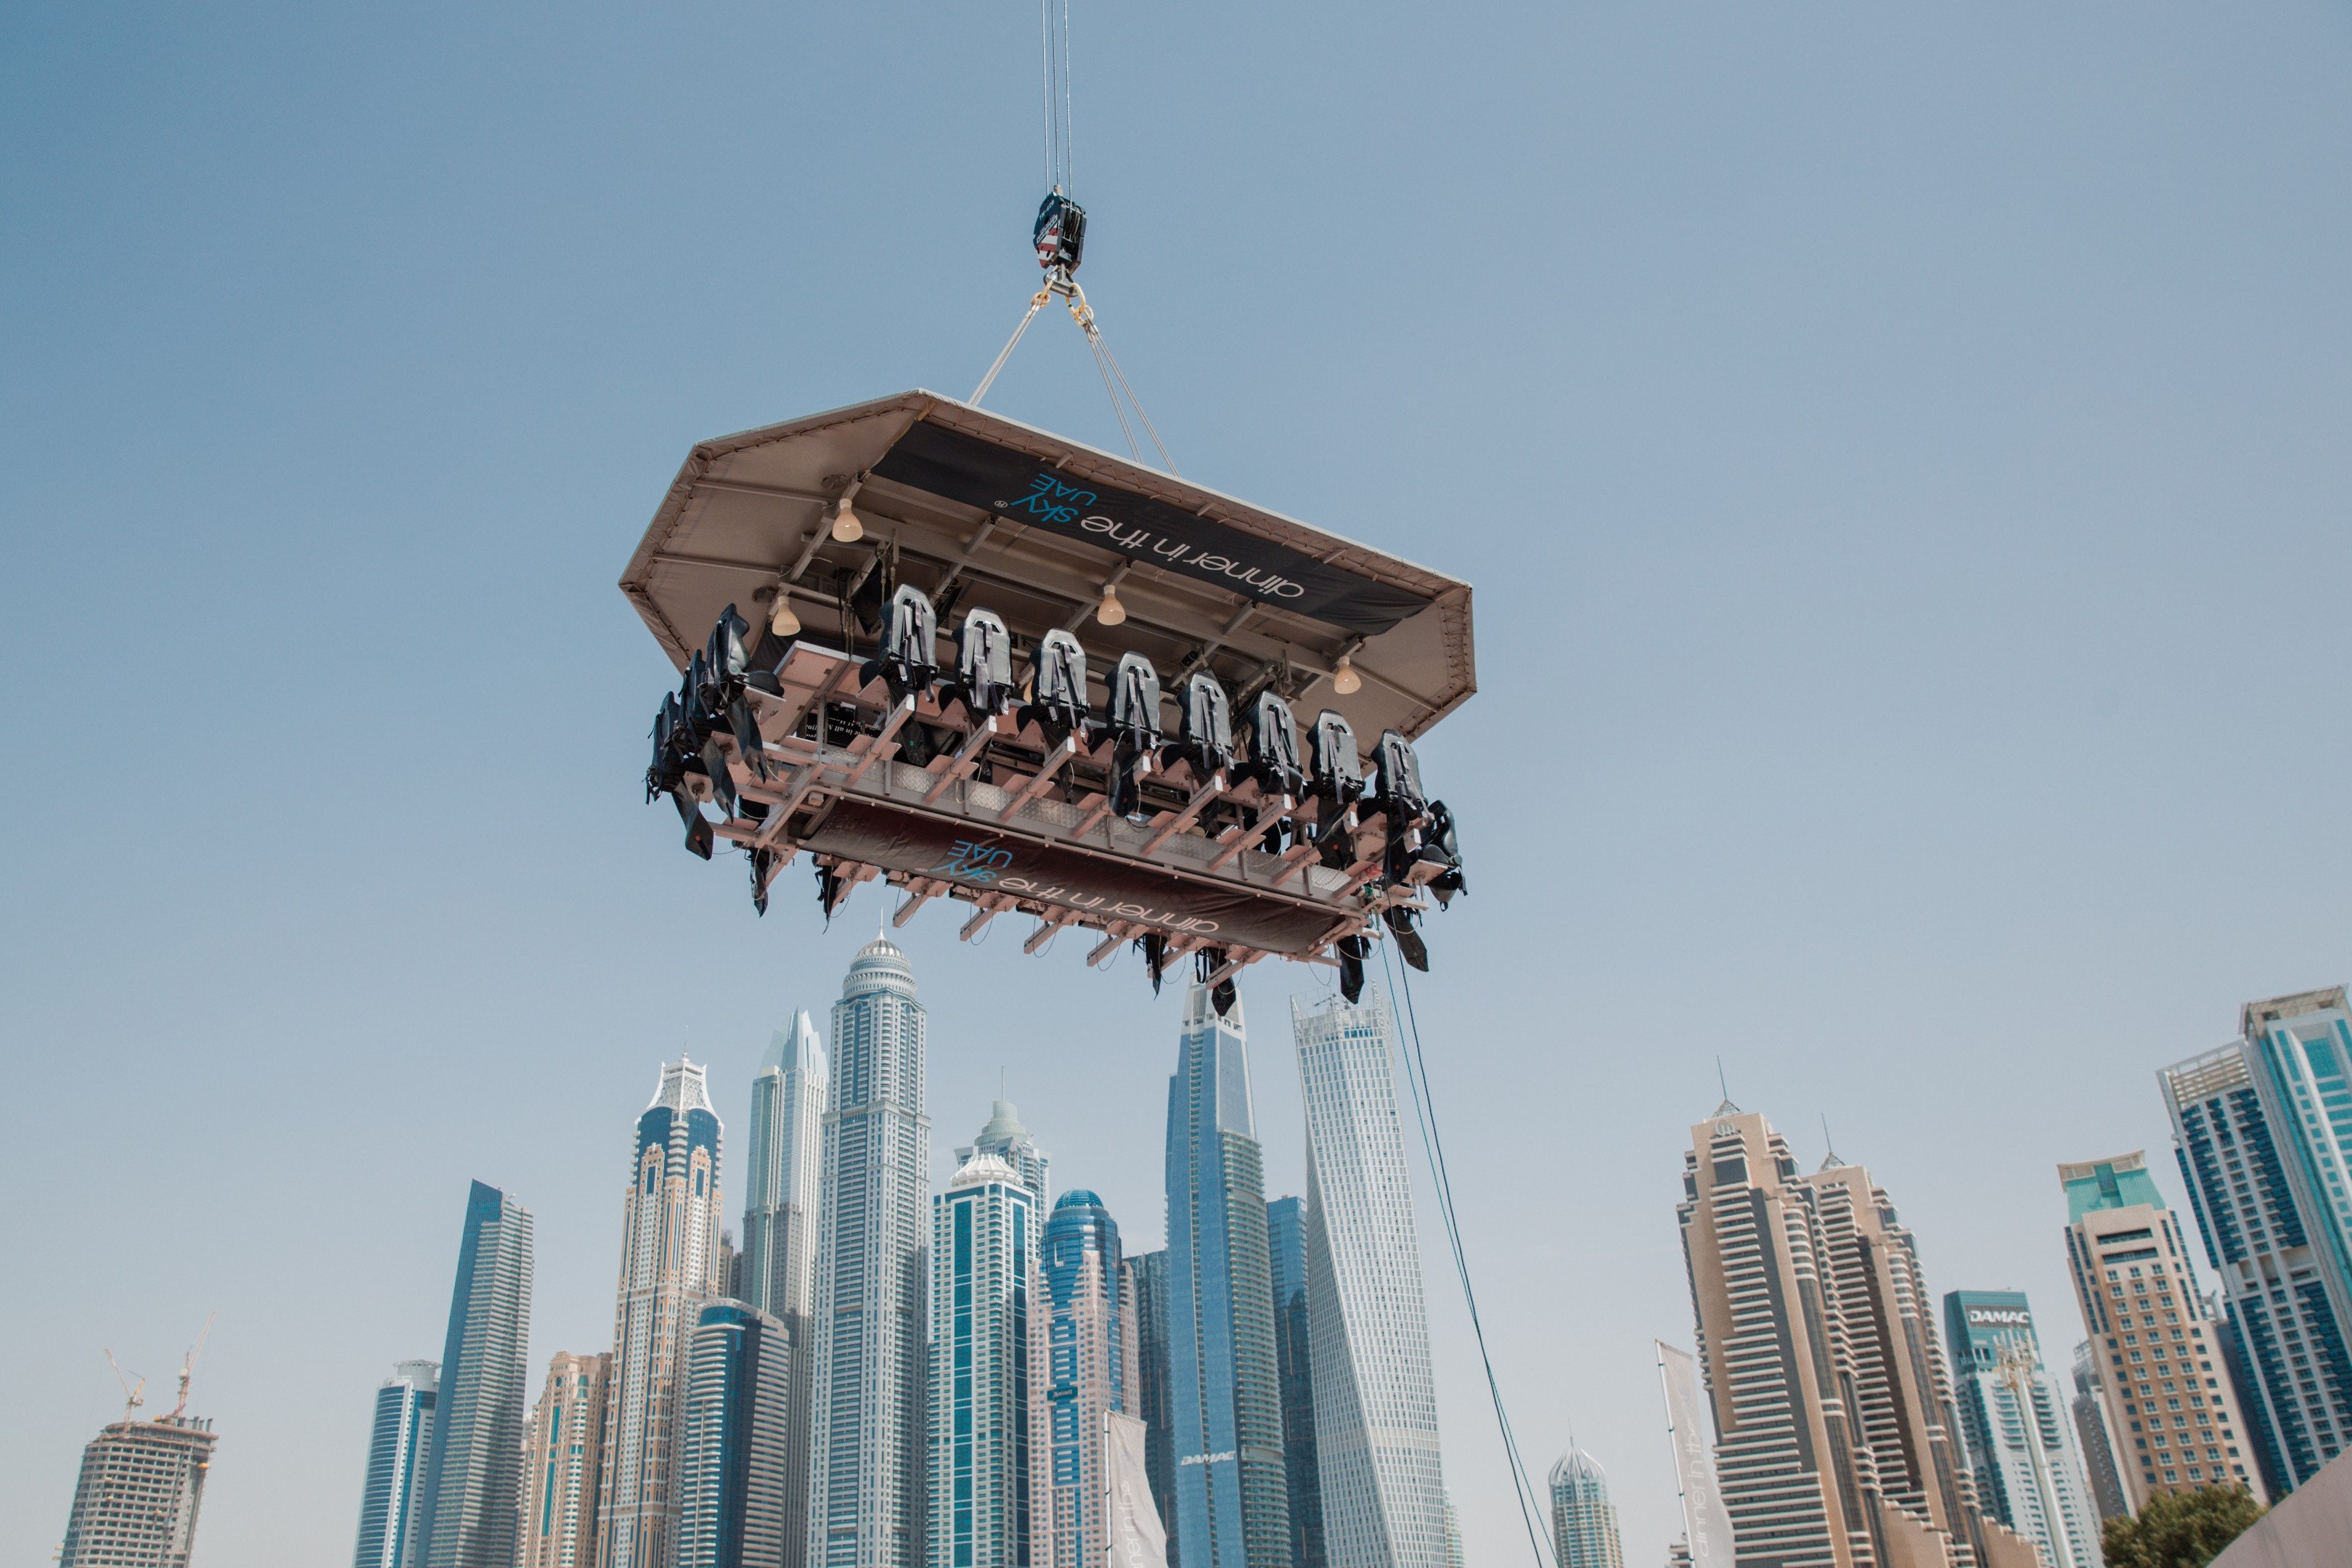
(734, 1449)
(982, 1228)
(473, 1468)
(398, 1440)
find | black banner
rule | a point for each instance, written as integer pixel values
(974, 856)
(1025, 490)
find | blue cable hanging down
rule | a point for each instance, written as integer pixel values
(1424, 1109)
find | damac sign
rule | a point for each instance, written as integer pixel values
(1012, 486)
(2006, 1316)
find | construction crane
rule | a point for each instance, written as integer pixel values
(133, 1396)
(188, 1364)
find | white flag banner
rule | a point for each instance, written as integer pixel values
(1137, 1539)
(1709, 1526)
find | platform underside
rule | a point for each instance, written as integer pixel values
(939, 803)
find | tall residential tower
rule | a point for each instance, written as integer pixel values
(1005, 1137)
(1082, 1344)
(866, 1481)
(780, 1188)
(2263, 1128)
(565, 1463)
(984, 1232)
(473, 1468)
(1583, 1520)
(671, 1266)
(1376, 1453)
(2013, 1419)
(398, 1442)
(1232, 1486)
(1286, 1244)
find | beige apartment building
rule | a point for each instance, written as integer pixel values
(2163, 1384)
(1836, 1436)
(563, 1452)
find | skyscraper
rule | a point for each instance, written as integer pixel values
(1286, 1244)
(734, 1439)
(2091, 1432)
(1375, 1402)
(778, 1269)
(2262, 1129)
(135, 1504)
(1147, 1274)
(2013, 1419)
(866, 1494)
(669, 1268)
(473, 1468)
(565, 1462)
(1005, 1137)
(400, 1436)
(2166, 1390)
(1583, 1520)
(1232, 1488)
(1082, 1347)
(984, 1229)
(1833, 1406)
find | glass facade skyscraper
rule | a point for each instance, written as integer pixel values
(1146, 1275)
(1082, 1346)
(866, 1459)
(734, 1453)
(670, 1265)
(1583, 1520)
(1379, 1473)
(782, 1180)
(1286, 1242)
(473, 1468)
(2091, 1433)
(398, 1442)
(981, 1423)
(1233, 1507)
(2013, 1419)
(2262, 1129)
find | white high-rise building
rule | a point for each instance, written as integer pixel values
(781, 1182)
(1383, 1487)
(1583, 1520)
(669, 1268)
(984, 1229)
(1005, 1137)
(867, 1469)
(402, 1436)
(135, 1504)
(2013, 1417)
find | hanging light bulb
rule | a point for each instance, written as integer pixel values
(1110, 611)
(846, 528)
(783, 623)
(1344, 678)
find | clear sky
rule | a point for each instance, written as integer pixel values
(1901, 452)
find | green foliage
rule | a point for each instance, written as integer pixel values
(2179, 1530)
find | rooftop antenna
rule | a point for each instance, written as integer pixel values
(188, 1363)
(133, 1397)
(1727, 1108)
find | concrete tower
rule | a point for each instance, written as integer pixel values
(135, 1504)
(1232, 1505)
(473, 1468)
(565, 1463)
(1376, 1452)
(867, 1482)
(2164, 1383)
(671, 1266)
(1835, 1432)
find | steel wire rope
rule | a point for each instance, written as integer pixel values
(1424, 1107)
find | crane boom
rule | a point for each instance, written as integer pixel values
(188, 1363)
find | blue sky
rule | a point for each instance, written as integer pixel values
(1901, 457)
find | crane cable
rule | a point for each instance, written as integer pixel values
(1425, 1107)
(1054, 47)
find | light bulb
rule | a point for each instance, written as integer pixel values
(1344, 678)
(847, 529)
(783, 623)
(1110, 611)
